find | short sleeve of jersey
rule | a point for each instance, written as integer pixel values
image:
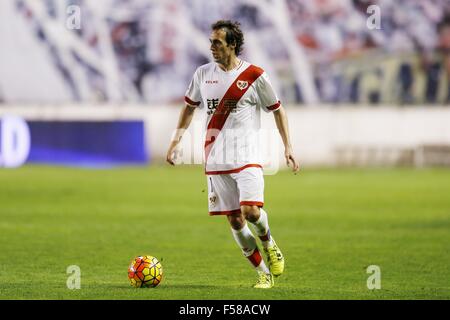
(266, 94)
(193, 96)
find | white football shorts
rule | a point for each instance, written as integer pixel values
(228, 192)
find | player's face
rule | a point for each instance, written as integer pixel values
(220, 50)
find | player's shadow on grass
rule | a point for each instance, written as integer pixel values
(190, 286)
(169, 286)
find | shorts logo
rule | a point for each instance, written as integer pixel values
(242, 84)
(212, 199)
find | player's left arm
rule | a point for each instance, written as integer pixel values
(283, 128)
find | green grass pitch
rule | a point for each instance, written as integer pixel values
(330, 223)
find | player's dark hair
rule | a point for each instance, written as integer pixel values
(233, 32)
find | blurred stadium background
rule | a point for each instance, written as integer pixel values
(99, 84)
(357, 93)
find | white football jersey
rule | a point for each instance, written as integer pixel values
(231, 102)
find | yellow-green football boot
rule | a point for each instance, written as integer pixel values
(275, 259)
(265, 281)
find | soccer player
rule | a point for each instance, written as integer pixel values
(231, 93)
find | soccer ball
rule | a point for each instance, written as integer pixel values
(145, 271)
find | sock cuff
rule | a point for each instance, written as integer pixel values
(255, 258)
(265, 237)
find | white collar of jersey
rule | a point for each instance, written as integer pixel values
(240, 63)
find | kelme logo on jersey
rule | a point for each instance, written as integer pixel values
(241, 84)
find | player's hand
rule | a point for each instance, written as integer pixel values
(172, 153)
(290, 160)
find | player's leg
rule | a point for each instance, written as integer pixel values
(258, 218)
(251, 188)
(247, 242)
(223, 197)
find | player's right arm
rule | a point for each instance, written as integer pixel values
(184, 121)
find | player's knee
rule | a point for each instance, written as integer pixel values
(237, 221)
(251, 213)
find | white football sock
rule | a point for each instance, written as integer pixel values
(247, 243)
(262, 229)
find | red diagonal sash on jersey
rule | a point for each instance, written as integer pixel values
(234, 93)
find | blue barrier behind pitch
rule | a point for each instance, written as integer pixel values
(90, 144)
